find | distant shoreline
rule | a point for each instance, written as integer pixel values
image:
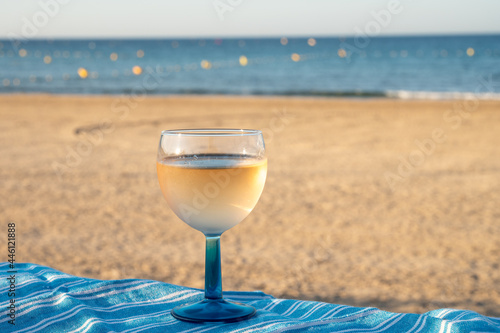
(352, 95)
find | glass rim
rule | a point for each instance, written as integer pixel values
(212, 132)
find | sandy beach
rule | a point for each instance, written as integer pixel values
(385, 203)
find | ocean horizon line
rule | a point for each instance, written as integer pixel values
(172, 38)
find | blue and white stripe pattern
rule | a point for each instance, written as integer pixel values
(51, 301)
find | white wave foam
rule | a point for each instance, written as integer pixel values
(448, 95)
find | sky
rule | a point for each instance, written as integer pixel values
(244, 18)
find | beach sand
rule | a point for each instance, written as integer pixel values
(385, 203)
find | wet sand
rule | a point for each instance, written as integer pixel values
(385, 203)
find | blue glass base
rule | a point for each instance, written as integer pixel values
(213, 310)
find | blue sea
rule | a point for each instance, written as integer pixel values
(437, 67)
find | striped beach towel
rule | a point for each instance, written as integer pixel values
(35, 298)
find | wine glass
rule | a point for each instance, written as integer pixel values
(212, 179)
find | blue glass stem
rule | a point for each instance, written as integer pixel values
(213, 308)
(213, 276)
